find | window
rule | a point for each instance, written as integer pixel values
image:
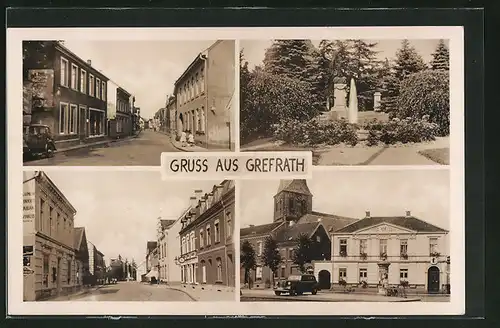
(363, 274)
(42, 207)
(283, 271)
(188, 244)
(403, 248)
(58, 217)
(433, 246)
(259, 248)
(318, 239)
(103, 90)
(63, 118)
(96, 122)
(219, 269)
(74, 77)
(209, 237)
(45, 271)
(290, 253)
(197, 85)
(202, 81)
(202, 239)
(383, 248)
(51, 210)
(343, 247)
(193, 241)
(217, 231)
(342, 274)
(73, 118)
(64, 72)
(229, 225)
(98, 88)
(362, 247)
(258, 273)
(69, 271)
(83, 81)
(403, 274)
(183, 245)
(91, 85)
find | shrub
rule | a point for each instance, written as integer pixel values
(426, 93)
(312, 132)
(404, 131)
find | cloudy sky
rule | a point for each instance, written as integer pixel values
(147, 69)
(119, 209)
(254, 50)
(351, 193)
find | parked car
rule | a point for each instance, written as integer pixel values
(298, 284)
(38, 141)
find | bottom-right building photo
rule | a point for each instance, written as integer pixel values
(347, 235)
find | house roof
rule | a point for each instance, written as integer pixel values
(166, 223)
(293, 232)
(297, 186)
(77, 241)
(331, 222)
(409, 222)
(259, 230)
(152, 245)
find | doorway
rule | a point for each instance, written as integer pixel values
(324, 279)
(433, 279)
(58, 275)
(82, 123)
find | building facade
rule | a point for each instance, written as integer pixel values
(81, 256)
(207, 247)
(171, 113)
(68, 94)
(152, 261)
(167, 270)
(402, 248)
(120, 105)
(48, 239)
(204, 97)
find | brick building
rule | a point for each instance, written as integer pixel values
(65, 92)
(293, 217)
(81, 256)
(48, 239)
(120, 105)
(207, 248)
(97, 266)
(204, 97)
(171, 113)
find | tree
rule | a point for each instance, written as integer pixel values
(426, 94)
(271, 256)
(291, 58)
(441, 57)
(303, 252)
(408, 61)
(247, 259)
(389, 87)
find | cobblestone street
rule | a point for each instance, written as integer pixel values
(144, 150)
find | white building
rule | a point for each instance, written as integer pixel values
(168, 250)
(401, 248)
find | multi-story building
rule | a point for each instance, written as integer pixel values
(97, 266)
(69, 95)
(48, 239)
(293, 217)
(81, 256)
(163, 231)
(171, 113)
(204, 97)
(401, 248)
(152, 260)
(119, 111)
(207, 248)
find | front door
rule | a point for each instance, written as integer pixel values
(324, 279)
(82, 124)
(58, 275)
(433, 279)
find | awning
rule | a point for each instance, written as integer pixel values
(152, 273)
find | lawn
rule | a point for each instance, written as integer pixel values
(438, 155)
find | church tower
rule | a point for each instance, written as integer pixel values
(292, 201)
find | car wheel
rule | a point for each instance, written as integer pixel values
(277, 293)
(314, 291)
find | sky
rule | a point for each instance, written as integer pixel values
(120, 209)
(146, 69)
(254, 50)
(351, 193)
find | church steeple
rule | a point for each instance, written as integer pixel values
(292, 201)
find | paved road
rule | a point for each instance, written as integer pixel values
(135, 291)
(142, 151)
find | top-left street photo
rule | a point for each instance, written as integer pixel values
(123, 103)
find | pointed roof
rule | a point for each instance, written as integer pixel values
(298, 186)
(331, 222)
(259, 229)
(151, 246)
(408, 222)
(166, 223)
(77, 241)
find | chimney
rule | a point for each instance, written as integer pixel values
(198, 194)
(192, 201)
(408, 214)
(252, 225)
(89, 62)
(367, 214)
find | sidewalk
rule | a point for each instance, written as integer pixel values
(92, 144)
(69, 297)
(206, 293)
(178, 145)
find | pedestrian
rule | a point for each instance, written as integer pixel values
(191, 139)
(183, 139)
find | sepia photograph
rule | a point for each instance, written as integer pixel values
(349, 101)
(86, 237)
(122, 102)
(347, 236)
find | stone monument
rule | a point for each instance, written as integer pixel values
(376, 101)
(339, 109)
(353, 103)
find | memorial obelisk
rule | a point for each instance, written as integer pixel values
(353, 103)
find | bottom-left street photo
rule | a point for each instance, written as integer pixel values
(127, 236)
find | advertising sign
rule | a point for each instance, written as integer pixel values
(111, 110)
(29, 207)
(42, 87)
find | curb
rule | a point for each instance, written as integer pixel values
(91, 145)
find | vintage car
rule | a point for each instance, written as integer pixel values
(38, 141)
(298, 284)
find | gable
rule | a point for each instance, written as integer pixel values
(384, 228)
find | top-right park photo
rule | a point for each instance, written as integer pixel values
(351, 102)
